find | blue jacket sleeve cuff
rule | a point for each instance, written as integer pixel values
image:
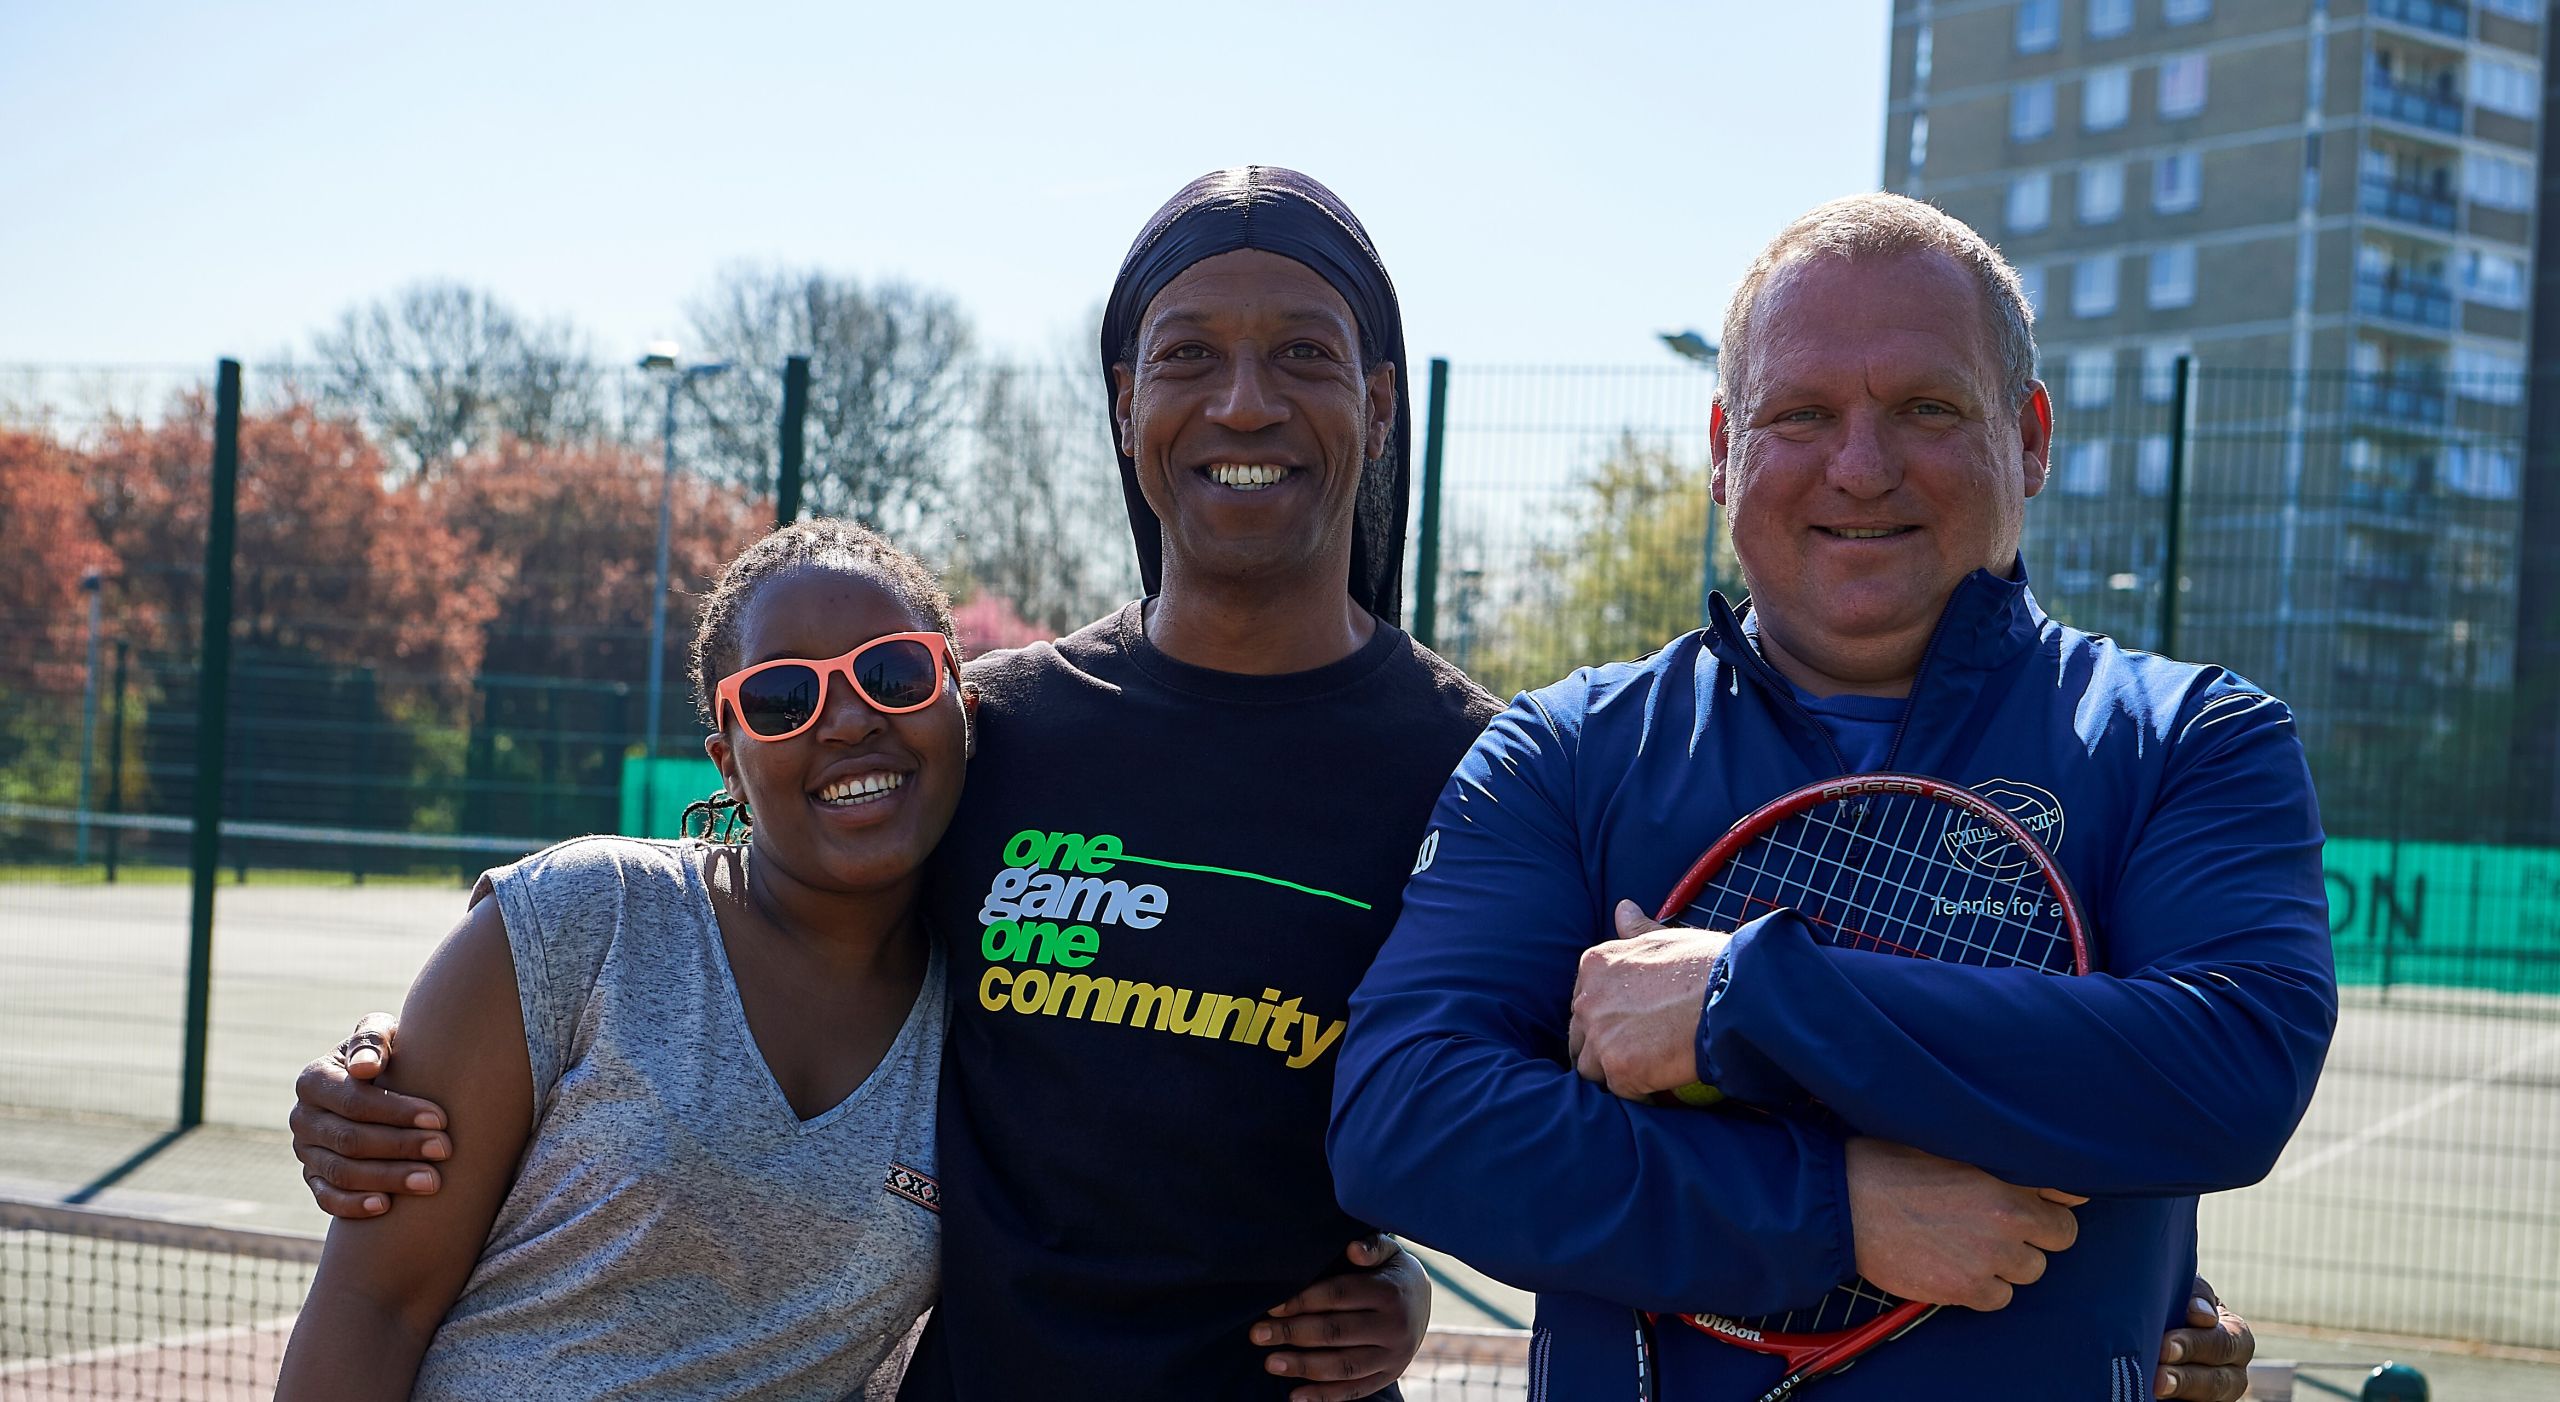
(1719, 976)
(1726, 1058)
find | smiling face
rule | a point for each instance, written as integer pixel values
(1251, 418)
(1871, 462)
(856, 801)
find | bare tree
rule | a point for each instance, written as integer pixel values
(887, 387)
(1039, 517)
(438, 370)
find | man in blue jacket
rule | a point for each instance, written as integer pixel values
(1876, 436)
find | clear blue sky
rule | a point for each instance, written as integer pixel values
(183, 181)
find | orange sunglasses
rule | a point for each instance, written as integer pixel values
(893, 674)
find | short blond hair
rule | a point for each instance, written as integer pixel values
(1881, 225)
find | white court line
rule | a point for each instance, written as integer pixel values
(199, 1342)
(2428, 1106)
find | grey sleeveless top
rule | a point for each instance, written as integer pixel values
(675, 1230)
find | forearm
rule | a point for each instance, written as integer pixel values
(351, 1346)
(2091, 1084)
(1528, 1172)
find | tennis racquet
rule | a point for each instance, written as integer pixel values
(1894, 864)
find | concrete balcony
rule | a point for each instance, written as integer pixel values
(2447, 17)
(2404, 402)
(2410, 204)
(2414, 301)
(2413, 106)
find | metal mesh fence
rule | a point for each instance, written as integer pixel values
(436, 669)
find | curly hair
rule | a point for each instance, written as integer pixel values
(822, 543)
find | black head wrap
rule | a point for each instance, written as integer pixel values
(1276, 211)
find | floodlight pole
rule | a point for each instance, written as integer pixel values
(663, 357)
(1699, 351)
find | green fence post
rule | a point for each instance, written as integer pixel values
(2172, 556)
(213, 701)
(795, 422)
(115, 766)
(1426, 567)
(368, 763)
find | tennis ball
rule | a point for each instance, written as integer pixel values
(1698, 1094)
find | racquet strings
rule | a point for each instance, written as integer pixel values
(1895, 874)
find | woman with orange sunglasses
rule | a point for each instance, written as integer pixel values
(691, 1083)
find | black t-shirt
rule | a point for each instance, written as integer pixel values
(1162, 885)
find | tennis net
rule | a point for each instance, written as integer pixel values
(1470, 1365)
(97, 1305)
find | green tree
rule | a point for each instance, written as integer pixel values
(1620, 575)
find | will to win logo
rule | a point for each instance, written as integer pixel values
(1985, 849)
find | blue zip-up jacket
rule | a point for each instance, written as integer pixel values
(2176, 798)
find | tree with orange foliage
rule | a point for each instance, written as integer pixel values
(46, 548)
(333, 567)
(570, 536)
(358, 615)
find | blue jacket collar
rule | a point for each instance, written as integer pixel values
(1987, 622)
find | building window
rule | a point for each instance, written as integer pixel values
(2477, 470)
(1919, 140)
(2151, 465)
(2182, 85)
(2084, 469)
(2177, 182)
(2106, 95)
(2109, 18)
(2493, 278)
(2101, 192)
(2496, 181)
(2031, 110)
(2491, 377)
(2530, 11)
(2093, 286)
(2173, 276)
(2039, 25)
(1923, 48)
(2186, 11)
(2089, 379)
(2505, 87)
(2030, 201)
(2031, 286)
(2160, 370)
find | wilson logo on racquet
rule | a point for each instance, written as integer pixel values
(1986, 848)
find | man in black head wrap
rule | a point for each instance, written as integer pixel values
(1210, 797)
(1183, 840)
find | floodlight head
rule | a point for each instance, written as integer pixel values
(1689, 345)
(660, 355)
